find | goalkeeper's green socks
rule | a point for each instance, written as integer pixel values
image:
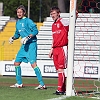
(37, 72)
(39, 76)
(18, 74)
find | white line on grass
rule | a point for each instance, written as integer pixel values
(59, 98)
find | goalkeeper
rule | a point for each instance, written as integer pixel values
(27, 30)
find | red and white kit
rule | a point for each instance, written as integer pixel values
(60, 30)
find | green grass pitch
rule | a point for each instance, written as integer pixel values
(29, 93)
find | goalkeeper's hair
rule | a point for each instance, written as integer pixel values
(22, 8)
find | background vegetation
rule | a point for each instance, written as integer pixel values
(36, 7)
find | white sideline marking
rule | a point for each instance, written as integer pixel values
(59, 98)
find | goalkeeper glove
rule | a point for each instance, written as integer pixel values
(25, 39)
(11, 39)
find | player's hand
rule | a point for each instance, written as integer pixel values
(11, 40)
(25, 39)
(51, 53)
(76, 14)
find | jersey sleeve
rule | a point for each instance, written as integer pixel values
(65, 24)
(33, 28)
(16, 35)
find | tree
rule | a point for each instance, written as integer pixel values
(61, 5)
(9, 7)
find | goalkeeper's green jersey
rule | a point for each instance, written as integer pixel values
(25, 27)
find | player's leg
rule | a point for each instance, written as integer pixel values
(39, 76)
(18, 76)
(62, 59)
(63, 63)
(59, 62)
(56, 64)
(17, 63)
(61, 80)
(32, 60)
(18, 73)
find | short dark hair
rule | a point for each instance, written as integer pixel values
(55, 8)
(22, 7)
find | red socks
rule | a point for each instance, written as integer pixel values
(61, 82)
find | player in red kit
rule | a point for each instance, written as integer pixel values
(58, 51)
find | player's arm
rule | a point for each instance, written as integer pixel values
(65, 24)
(16, 36)
(33, 28)
(76, 14)
(33, 31)
(51, 51)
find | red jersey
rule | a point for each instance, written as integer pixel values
(60, 30)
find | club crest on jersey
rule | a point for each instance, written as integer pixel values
(22, 24)
(58, 25)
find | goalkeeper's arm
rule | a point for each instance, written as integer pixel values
(25, 39)
(11, 39)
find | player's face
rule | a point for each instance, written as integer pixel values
(54, 15)
(20, 13)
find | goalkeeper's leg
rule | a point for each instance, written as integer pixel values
(39, 76)
(18, 77)
(18, 74)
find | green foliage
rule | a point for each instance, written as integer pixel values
(35, 7)
(40, 10)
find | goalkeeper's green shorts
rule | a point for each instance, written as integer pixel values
(27, 53)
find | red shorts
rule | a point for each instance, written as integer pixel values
(60, 57)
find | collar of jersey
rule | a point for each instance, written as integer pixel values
(23, 17)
